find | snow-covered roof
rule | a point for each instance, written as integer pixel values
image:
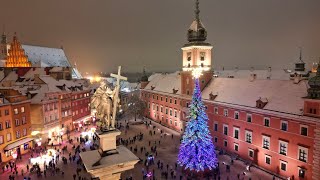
(45, 56)
(12, 76)
(33, 71)
(260, 74)
(282, 95)
(165, 82)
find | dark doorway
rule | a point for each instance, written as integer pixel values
(18, 152)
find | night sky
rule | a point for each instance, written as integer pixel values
(102, 34)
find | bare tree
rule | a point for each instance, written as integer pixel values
(136, 107)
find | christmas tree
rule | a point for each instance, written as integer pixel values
(197, 152)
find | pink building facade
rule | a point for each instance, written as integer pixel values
(272, 123)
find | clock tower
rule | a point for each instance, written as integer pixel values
(196, 53)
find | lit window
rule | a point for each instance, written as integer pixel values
(266, 142)
(249, 136)
(22, 109)
(24, 120)
(202, 56)
(216, 110)
(17, 122)
(283, 147)
(225, 112)
(8, 137)
(303, 153)
(302, 172)
(15, 110)
(18, 134)
(189, 56)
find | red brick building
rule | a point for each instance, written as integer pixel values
(270, 119)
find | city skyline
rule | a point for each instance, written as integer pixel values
(247, 34)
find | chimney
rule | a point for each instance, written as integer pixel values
(252, 77)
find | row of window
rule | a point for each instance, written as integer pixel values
(17, 123)
(156, 116)
(283, 145)
(266, 121)
(302, 155)
(16, 110)
(6, 112)
(155, 107)
(50, 107)
(156, 97)
(81, 111)
(18, 135)
(80, 102)
(80, 95)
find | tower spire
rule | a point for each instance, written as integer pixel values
(300, 57)
(197, 11)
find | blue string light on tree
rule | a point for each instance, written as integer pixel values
(197, 152)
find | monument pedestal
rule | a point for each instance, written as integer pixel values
(109, 160)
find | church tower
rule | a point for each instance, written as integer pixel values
(197, 53)
(16, 56)
(3, 46)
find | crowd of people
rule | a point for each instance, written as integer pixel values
(67, 150)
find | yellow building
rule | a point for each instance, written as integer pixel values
(16, 55)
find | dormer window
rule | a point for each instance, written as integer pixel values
(212, 96)
(261, 103)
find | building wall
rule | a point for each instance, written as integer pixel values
(157, 101)
(80, 104)
(4, 131)
(292, 136)
(20, 127)
(256, 127)
(65, 111)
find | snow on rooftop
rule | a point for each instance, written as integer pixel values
(48, 57)
(260, 74)
(165, 82)
(283, 95)
(12, 76)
